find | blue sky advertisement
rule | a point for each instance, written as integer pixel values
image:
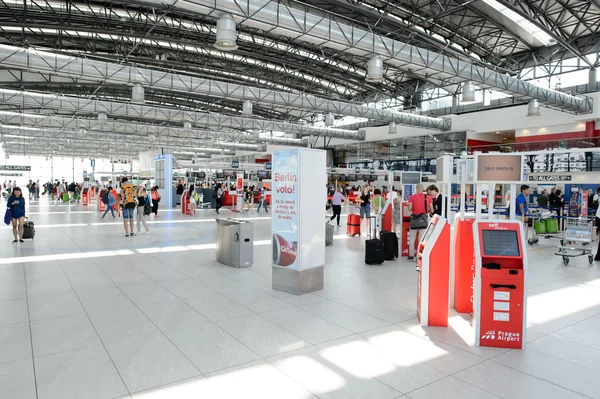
(285, 208)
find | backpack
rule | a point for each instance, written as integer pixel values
(128, 195)
(196, 197)
(105, 199)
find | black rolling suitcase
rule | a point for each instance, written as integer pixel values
(390, 244)
(374, 252)
(28, 230)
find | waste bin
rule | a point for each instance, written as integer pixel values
(235, 242)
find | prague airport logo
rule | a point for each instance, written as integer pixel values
(491, 334)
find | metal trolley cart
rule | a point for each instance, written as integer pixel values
(542, 217)
(577, 231)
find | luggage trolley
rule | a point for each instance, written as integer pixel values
(577, 230)
(543, 224)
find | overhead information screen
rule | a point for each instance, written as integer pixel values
(500, 243)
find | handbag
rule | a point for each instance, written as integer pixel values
(7, 216)
(419, 221)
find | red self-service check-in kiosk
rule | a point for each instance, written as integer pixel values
(500, 306)
(463, 262)
(85, 196)
(433, 274)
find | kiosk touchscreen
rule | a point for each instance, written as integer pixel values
(500, 284)
(433, 268)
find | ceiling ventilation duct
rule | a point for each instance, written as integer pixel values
(393, 129)
(468, 94)
(247, 108)
(533, 108)
(137, 94)
(329, 119)
(226, 34)
(375, 70)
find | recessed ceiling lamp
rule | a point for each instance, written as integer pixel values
(137, 94)
(468, 94)
(187, 127)
(375, 70)
(533, 108)
(329, 119)
(102, 118)
(226, 34)
(247, 107)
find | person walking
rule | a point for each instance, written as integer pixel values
(365, 207)
(218, 194)
(16, 204)
(109, 201)
(155, 195)
(521, 204)
(193, 196)
(129, 204)
(336, 206)
(142, 199)
(417, 205)
(262, 200)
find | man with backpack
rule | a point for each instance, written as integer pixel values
(129, 205)
(109, 200)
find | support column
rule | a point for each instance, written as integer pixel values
(592, 79)
(454, 103)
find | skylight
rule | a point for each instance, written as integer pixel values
(524, 23)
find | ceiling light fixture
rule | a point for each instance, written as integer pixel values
(375, 70)
(533, 108)
(468, 94)
(226, 34)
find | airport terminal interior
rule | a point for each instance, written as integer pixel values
(271, 199)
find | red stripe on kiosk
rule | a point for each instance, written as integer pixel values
(500, 306)
(464, 263)
(434, 274)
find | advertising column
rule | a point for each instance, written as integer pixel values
(298, 227)
(163, 175)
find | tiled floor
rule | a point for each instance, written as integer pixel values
(88, 313)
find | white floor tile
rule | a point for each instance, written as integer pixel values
(172, 314)
(450, 388)
(97, 300)
(343, 316)
(262, 336)
(121, 323)
(508, 383)
(570, 351)
(257, 380)
(62, 334)
(580, 335)
(216, 307)
(17, 380)
(210, 348)
(15, 342)
(311, 369)
(307, 326)
(79, 373)
(46, 287)
(554, 370)
(137, 362)
(13, 290)
(51, 306)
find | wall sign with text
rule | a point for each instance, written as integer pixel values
(501, 168)
(550, 178)
(20, 168)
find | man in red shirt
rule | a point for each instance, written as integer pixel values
(417, 205)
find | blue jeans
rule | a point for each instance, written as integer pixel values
(263, 203)
(109, 208)
(128, 213)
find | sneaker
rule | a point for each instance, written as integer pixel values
(410, 258)
(147, 232)
(21, 241)
(131, 234)
(126, 235)
(15, 241)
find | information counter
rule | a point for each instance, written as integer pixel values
(433, 266)
(500, 306)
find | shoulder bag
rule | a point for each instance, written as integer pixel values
(419, 221)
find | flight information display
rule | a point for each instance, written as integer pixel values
(500, 243)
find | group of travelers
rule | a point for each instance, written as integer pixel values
(134, 203)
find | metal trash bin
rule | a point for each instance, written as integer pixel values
(235, 242)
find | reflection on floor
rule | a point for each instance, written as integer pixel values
(88, 313)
